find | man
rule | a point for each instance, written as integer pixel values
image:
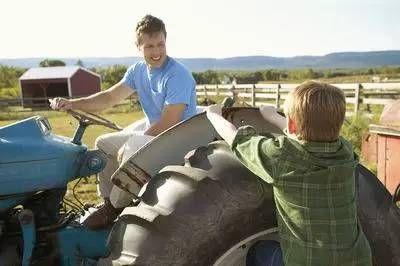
(166, 92)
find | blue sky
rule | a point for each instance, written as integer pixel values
(203, 28)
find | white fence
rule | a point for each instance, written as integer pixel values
(274, 94)
(357, 94)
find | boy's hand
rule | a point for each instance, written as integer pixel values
(214, 109)
(268, 112)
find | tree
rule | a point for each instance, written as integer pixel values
(111, 75)
(79, 63)
(51, 63)
(9, 76)
(207, 77)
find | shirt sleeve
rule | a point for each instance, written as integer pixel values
(129, 77)
(179, 89)
(260, 154)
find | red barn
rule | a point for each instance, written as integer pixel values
(39, 84)
(381, 146)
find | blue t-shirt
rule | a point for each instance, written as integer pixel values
(172, 83)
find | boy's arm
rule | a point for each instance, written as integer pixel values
(224, 128)
(246, 148)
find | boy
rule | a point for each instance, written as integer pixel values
(311, 169)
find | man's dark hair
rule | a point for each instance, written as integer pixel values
(149, 25)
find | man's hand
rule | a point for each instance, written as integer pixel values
(60, 104)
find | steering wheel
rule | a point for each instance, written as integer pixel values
(92, 119)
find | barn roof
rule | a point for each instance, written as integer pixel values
(52, 72)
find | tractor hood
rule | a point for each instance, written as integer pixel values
(32, 140)
(34, 159)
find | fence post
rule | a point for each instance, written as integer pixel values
(278, 96)
(253, 95)
(357, 99)
(217, 90)
(205, 92)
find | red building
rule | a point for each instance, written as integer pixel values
(381, 146)
(39, 84)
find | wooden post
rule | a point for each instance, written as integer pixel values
(217, 91)
(205, 91)
(357, 99)
(43, 86)
(278, 96)
(233, 91)
(253, 95)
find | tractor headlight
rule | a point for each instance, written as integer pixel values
(93, 163)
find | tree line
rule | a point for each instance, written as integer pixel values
(111, 75)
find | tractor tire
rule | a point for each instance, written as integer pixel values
(197, 213)
(193, 214)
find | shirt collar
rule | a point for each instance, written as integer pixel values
(315, 146)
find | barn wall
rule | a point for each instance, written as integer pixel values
(84, 83)
(41, 89)
(369, 148)
(389, 161)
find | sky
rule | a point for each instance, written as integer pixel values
(202, 28)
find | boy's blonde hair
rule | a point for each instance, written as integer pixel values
(318, 110)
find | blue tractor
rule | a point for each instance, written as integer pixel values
(199, 205)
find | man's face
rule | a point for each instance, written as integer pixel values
(153, 48)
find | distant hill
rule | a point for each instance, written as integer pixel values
(334, 60)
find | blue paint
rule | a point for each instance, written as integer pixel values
(27, 223)
(32, 158)
(80, 246)
(11, 201)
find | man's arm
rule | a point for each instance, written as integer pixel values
(96, 102)
(171, 115)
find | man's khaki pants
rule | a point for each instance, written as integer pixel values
(113, 145)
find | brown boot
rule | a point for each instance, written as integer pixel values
(103, 216)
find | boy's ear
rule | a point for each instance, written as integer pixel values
(292, 128)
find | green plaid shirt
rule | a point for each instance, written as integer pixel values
(314, 191)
